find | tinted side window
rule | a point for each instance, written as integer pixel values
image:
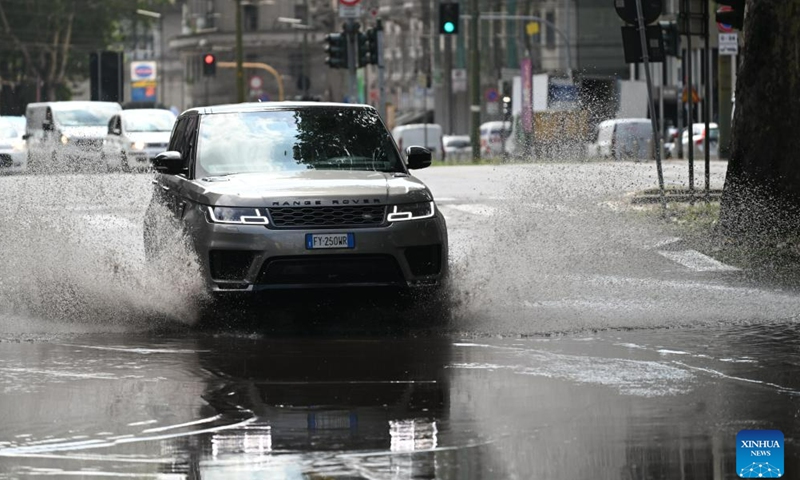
(176, 140)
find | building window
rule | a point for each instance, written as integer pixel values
(550, 34)
(250, 20)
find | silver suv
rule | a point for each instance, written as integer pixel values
(297, 195)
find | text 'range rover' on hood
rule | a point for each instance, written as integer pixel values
(309, 188)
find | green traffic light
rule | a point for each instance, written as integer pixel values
(449, 27)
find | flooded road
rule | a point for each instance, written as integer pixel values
(647, 404)
(585, 341)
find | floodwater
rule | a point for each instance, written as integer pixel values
(585, 341)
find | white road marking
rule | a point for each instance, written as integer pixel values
(697, 261)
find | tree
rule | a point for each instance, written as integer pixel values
(761, 198)
(47, 42)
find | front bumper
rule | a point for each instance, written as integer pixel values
(255, 257)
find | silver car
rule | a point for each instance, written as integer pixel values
(297, 195)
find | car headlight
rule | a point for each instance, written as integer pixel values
(238, 215)
(18, 146)
(412, 211)
(64, 139)
(138, 146)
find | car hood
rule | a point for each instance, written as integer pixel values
(308, 188)
(149, 137)
(84, 132)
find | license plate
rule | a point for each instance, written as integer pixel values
(330, 240)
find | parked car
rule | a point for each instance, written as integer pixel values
(457, 147)
(622, 138)
(136, 136)
(428, 135)
(296, 195)
(13, 152)
(67, 135)
(698, 141)
(492, 135)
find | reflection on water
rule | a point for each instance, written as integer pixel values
(328, 406)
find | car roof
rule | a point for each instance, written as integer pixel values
(271, 106)
(69, 103)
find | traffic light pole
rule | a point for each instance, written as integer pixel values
(474, 80)
(239, 54)
(381, 69)
(351, 34)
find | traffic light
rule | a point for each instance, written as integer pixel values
(672, 38)
(209, 64)
(448, 18)
(731, 13)
(336, 48)
(368, 47)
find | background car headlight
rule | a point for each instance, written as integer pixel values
(64, 139)
(137, 146)
(18, 146)
(412, 211)
(239, 215)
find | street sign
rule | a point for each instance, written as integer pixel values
(724, 27)
(459, 78)
(143, 71)
(256, 83)
(349, 8)
(627, 11)
(685, 96)
(728, 43)
(492, 95)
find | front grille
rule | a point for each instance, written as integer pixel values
(5, 161)
(230, 264)
(331, 270)
(425, 260)
(351, 216)
(157, 145)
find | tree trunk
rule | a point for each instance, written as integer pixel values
(761, 199)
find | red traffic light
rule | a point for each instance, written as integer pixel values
(208, 59)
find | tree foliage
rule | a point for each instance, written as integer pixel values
(49, 41)
(761, 199)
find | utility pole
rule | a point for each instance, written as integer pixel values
(239, 54)
(448, 82)
(381, 69)
(475, 79)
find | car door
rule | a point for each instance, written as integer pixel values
(171, 189)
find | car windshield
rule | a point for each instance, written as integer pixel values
(7, 130)
(148, 120)
(85, 115)
(457, 143)
(295, 140)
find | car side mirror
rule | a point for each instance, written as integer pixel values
(26, 136)
(418, 157)
(170, 162)
(47, 126)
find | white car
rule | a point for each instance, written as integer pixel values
(135, 137)
(13, 151)
(699, 141)
(428, 135)
(491, 135)
(457, 147)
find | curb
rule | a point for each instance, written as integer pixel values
(673, 195)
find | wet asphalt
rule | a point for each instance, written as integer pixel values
(583, 341)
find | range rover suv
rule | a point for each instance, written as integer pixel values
(297, 195)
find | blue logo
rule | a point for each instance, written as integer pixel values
(759, 454)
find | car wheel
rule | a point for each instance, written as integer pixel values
(123, 162)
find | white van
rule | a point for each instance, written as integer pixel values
(67, 135)
(491, 134)
(414, 135)
(622, 138)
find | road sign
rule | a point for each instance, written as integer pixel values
(724, 27)
(685, 96)
(143, 71)
(256, 83)
(626, 9)
(349, 8)
(492, 95)
(728, 43)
